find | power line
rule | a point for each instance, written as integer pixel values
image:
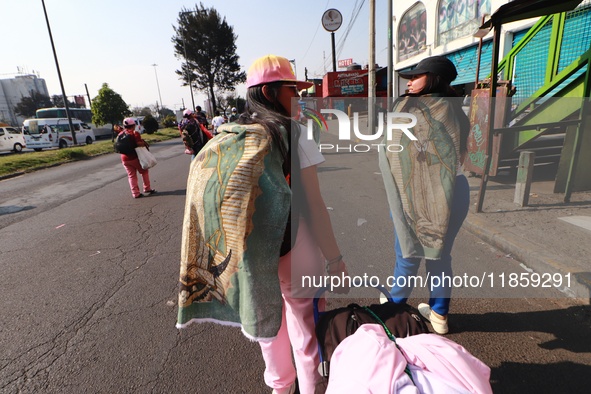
(317, 27)
(349, 28)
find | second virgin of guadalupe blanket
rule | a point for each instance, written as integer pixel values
(419, 180)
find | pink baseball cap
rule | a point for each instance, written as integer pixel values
(273, 68)
(127, 122)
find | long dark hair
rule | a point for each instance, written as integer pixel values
(435, 84)
(269, 114)
(272, 116)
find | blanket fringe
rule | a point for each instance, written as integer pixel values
(225, 323)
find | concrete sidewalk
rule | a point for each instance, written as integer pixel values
(541, 236)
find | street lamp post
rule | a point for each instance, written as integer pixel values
(188, 73)
(59, 74)
(158, 85)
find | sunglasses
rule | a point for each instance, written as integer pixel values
(294, 87)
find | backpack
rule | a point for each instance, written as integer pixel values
(192, 137)
(124, 143)
(334, 326)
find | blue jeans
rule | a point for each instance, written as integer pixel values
(406, 267)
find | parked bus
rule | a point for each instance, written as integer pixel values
(84, 114)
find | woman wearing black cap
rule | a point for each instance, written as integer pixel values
(428, 195)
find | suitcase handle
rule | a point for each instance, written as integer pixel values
(322, 290)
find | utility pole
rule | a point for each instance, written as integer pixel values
(371, 78)
(59, 74)
(88, 95)
(390, 68)
(295, 69)
(183, 35)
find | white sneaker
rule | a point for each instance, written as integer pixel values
(290, 390)
(439, 325)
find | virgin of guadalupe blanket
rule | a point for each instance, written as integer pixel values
(420, 179)
(236, 211)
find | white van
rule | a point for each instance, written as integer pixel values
(139, 127)
(11, 139)
(59, 134)
(33, 135)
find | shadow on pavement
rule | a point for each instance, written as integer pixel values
(571, 327)
(179, 192)
(541, 378)
(14, 209)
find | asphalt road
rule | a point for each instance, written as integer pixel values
(89, 285)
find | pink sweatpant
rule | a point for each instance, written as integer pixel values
(297, 324)
(132, 167)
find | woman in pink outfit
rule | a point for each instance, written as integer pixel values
(271, 96)
(131, 163)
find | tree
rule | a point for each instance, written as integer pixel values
(166, 112)
(58, 101)
(109, 107)
(141, 111)
(208, 45)
(29, 105)
(236, 101)
(150, 124)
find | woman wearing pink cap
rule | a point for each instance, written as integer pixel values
(276, 193)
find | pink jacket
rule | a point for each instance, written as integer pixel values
(369, 362)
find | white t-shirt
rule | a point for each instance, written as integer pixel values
(308, 150)
(217, 121)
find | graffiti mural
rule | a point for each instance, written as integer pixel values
(459, 18)
(412, 32)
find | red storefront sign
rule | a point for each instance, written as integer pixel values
(345, 83)
(345, 62)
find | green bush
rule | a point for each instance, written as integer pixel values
(169, 121)
(150, 124)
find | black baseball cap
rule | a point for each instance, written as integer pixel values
(439, 65)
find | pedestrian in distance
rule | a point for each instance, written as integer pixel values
(126, 142)
(233, 115)
(248, 272)
(201, 117)
(192, 134)
(427, 192)
(216, 122)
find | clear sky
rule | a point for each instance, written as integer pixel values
(118, 41)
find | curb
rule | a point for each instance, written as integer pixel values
(533, 256)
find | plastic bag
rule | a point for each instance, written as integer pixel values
(147, 159)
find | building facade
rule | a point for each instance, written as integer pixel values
(446, 27)
(13, 90)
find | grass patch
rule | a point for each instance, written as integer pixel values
(29, 161)
(71, 154)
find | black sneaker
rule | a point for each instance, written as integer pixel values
(140, 196)
(150, 192)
